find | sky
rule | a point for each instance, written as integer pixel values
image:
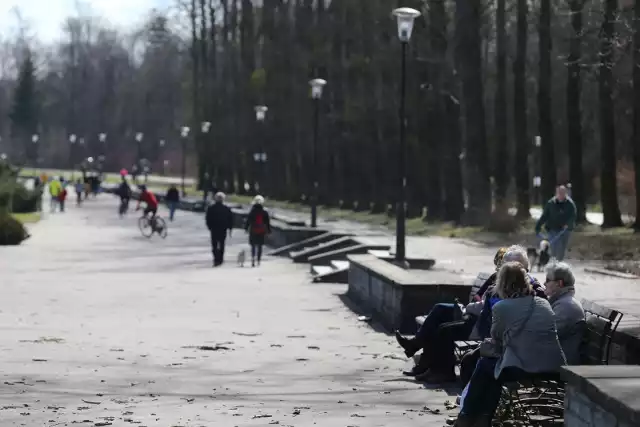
(45, 17)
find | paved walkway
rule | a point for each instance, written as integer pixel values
(100, 326)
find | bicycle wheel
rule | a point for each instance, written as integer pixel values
(145, 226)
(161, 227)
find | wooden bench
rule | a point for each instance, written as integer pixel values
(539, 399)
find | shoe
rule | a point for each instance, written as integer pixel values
(431, 377)
(472, 421)
(415, 371)
(253, 263)
(407, 344)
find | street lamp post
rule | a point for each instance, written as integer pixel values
(405, 17)
(184, 133)
(537, 179)
(72, 143)
(34, 139)
(316, 93)
(139, 137)
(261, 114)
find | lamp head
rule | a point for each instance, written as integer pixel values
(261, 112)
(316, 87)
(405, 17)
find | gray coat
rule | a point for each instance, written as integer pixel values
(569, 317)
(525, 331)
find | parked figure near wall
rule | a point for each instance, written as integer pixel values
(173, 199)
(258, 226)
(559, 219)
(219, 220)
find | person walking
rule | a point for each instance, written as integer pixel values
(258, 226)
(124, 192)
(173, 199)
(558, 218)
(219, 219)
(79, 187)
(54, 191)
(62, 197)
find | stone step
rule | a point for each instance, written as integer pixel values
(319, 270)
(340, 265)
(339, 243)
(321, 238)
(341, 254)
(333, 276)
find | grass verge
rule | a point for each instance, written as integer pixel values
(27, 218)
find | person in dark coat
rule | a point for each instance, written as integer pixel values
(173, 198)
(219, 219)
(258, 226)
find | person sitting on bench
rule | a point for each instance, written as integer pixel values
(468, 363)
(440, 355)
(523, 342)
(443, 313)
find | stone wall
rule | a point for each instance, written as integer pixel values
(581, 411)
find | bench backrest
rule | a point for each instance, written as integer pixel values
(600, 325)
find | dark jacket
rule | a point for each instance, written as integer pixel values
(172, 195)
(484, 322)
(250, 223)
(124, 191)
(557, 214)
(219, 218)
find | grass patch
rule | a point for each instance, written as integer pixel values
(27, 218)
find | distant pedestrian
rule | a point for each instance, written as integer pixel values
(173, 199)
(258, 226)
(219, 219)
(559, 219)
(54, 191)
(79, 187)
(62, 197)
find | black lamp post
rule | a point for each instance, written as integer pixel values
(405, 17)
(184, 133)
(316, 93)
(260, 158)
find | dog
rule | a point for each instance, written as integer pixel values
(242, 255)
(540, 256)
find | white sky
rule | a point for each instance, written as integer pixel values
(45, 17)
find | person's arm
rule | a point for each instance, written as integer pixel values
(247, 222)
(573, 213)
(267, 221)
(543, 218)
(489, 282)
(497, 323)
(229, 220)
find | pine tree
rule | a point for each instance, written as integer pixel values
(24, 114)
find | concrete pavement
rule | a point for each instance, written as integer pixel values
(100, 326)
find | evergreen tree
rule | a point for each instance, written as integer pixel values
(24, 114)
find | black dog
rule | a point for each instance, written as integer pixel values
(540, 256)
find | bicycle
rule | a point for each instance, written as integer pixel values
(155, 224)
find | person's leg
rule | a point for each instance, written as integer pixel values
(439, 314)
(554, 244)
(259, 254)
(483, 389)
(563, 242)
(221, 244)
(213, 247)
(468, 365)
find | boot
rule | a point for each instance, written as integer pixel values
(409, 345)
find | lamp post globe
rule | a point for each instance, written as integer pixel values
(317, 85)
(261, 112)
(405, 17)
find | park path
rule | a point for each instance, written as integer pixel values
(99, 326)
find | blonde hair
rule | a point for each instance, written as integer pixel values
(258, 200)
(497, 259)
(512, 281)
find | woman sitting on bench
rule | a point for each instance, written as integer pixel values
(523, 341)
(444, 313)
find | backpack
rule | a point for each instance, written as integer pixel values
(259, 227)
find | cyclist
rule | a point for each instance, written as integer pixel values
(149, 198)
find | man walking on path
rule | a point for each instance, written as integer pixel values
(172, 198)
(559, 219)
(54, 190)
(219, 219)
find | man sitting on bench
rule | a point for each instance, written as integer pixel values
(443, 313)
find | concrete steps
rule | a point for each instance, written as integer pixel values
(338, 272)
(331, 245)
(285, 250)
(325, 258)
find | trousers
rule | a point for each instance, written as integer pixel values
(217, 247)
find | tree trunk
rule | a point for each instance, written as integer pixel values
(574, 115)
(608, 184)
(636, 108)
(501, 163)
(469, 57)
(521, 171)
